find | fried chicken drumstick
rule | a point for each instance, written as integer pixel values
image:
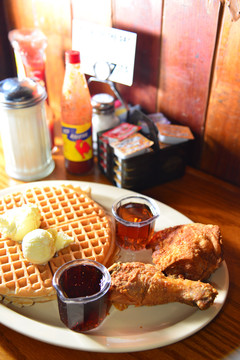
(192, 251)
(139, 284)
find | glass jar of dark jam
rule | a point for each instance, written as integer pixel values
(82, 292)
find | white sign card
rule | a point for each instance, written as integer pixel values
(101, 47)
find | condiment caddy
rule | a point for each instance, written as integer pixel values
(158, 164)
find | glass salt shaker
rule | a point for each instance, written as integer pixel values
(103, 116)
(23, 129)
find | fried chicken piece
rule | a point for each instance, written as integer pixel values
(137, 283)
(192, 251)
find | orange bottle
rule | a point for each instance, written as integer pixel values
(76, 113)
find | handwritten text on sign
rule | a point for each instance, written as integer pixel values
(102, 44)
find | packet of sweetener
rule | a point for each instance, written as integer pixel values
(120, 132)
(133, 145)
(173, 134)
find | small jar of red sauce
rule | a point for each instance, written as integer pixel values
(82, 291)
(135, 218)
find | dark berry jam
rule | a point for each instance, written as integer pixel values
(81, 281)
(82, 297)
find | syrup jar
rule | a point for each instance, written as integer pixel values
(24, 130)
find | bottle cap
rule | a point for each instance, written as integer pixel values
(72, 56)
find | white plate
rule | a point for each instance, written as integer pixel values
(134, 329)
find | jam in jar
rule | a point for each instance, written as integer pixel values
(82, 290)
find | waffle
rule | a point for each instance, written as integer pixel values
(91, 241)
(20, 278)
(11, 201)
(66, 209)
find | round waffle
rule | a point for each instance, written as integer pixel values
(66, 209)
(20, 278)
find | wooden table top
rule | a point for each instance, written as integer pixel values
(200, 197)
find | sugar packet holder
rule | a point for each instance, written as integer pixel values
(162, 163)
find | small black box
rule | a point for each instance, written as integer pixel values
(163, 163)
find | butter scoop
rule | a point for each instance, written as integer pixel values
(63, 240)
(40, 245)
(17, 222)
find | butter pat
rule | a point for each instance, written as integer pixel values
(17, 222)
(63, 240)
(40, 245)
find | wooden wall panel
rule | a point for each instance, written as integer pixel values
(221, 151)
(143, 17)
(188, 41)
(54, 19)
(97, 12)
(7, 68)
(175, 68)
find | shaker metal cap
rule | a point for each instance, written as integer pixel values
(17, 94)
(102, 103)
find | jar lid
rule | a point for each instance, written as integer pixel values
(17, 94)
(102, 103)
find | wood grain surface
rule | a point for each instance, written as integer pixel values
(221, 139)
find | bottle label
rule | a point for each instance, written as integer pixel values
(77, 142)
